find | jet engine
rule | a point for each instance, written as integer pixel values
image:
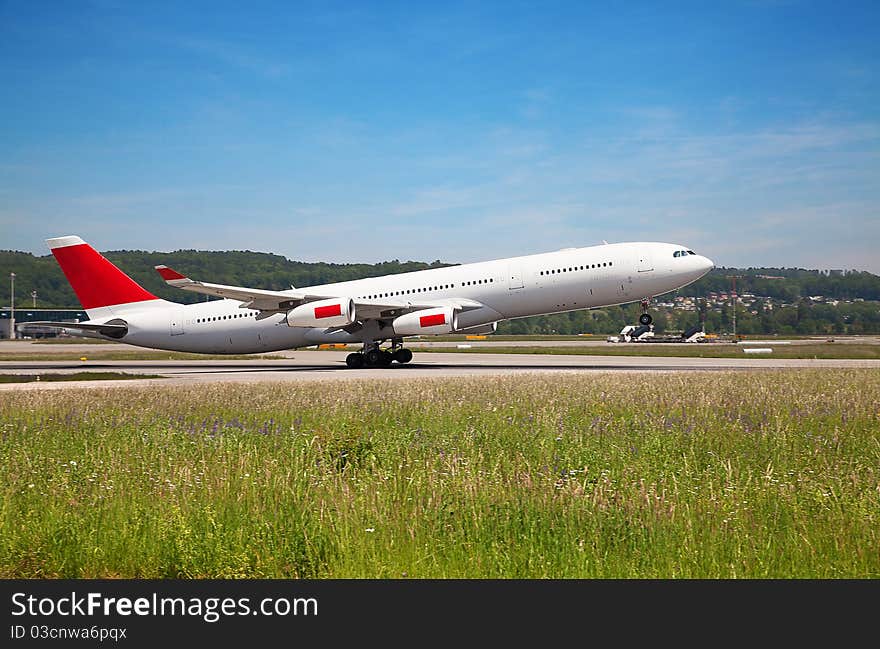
(337, 312)
(441, 320)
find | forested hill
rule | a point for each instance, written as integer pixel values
(235, 267)
(264, 270)
(789, 284)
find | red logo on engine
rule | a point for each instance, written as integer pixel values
(432, 320)
(328, 311)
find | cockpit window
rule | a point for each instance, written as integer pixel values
(691, 252)
(677, 253)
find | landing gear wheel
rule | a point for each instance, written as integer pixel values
(403, 356)
(645, 319)
(355, 361)
(386, 358)
(373, 357)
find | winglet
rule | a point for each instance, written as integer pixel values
(173, 278)
(169, 274)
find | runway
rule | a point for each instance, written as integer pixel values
(330, 366)
(86, 348)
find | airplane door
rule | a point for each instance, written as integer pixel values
(515, 276)
(646, 262)
(177, 323)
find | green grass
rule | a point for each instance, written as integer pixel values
(694, 350)
(77, 376)
(129, 355)
(721, 475)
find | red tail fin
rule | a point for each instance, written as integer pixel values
(95, 280)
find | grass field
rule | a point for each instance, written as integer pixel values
(771, 474)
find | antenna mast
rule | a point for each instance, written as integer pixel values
(733, 279)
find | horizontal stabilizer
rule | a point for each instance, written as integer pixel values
(115, 329)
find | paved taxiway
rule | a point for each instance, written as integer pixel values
(330, 365)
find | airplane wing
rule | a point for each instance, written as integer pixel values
(375, 310)
(270, 302)
(251, 298)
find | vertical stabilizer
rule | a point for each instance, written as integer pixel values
(95, 280)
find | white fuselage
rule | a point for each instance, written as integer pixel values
(554, 282)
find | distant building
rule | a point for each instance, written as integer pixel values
(34, 315)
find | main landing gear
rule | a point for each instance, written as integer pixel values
(372, 356)
(645, 318)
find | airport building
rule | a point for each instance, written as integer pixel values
(35, 315)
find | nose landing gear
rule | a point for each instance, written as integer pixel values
(646, 318)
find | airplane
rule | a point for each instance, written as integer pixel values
(468, 298)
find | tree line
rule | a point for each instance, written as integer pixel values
(789, 291)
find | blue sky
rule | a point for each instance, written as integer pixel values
(749, 131)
